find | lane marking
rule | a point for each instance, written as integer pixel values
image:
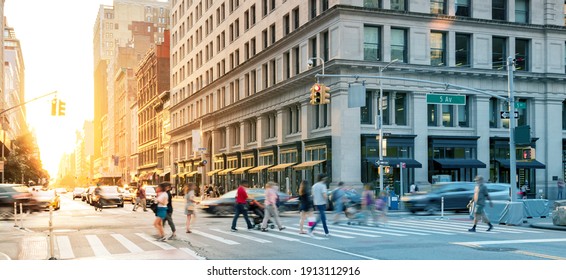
(241, 236)
(97, 246)
(214, 237)
(517, 241)
(435, 230)
(65, 248)
(133, 248)
(332, 230)
(496, 228)
(379, 230)
(338, 251)
(152, 240)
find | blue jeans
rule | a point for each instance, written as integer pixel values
(321, 217)
(241, 209)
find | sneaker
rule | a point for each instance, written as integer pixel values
(472, 230)
(173, 236)
(282, 228)
(264, 229)
(163, 239)
(310, 233)
(233, 230)
(327, 235)
(250, 228)
(490, 227)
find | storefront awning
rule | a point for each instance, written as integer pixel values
(257, 169)
(164, 174)
(241, 170)
(409, 162)
(307, 164)
(191, 174)
(210, 173)
(226, 171)
(281, 166)
(458, 163)
(523, 164)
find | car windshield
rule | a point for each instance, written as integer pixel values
(44, 193)
(79, 189)
(109, 189)
(149, 190)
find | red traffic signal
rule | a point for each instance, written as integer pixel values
(316, 94)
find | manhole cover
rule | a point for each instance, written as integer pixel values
(496, 249)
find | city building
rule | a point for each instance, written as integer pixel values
(241, 77)
(114, 29)
(152, 76)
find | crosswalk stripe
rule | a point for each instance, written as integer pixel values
(65, 248)
(333, 229)
(152, 240)
(242, 236)
(214, 237)
(127, 243)
(466, 225)
(274, 235)
(380, 230)
(192, 253)
(435, 230)
(97, 246)
(298, 234)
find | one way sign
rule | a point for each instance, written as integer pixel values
(506, 115)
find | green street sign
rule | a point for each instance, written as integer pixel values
(520, 105)
(449, 99)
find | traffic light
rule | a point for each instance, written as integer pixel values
(61, 108)
(528, 153)
(324, 94)
(54, 107)
(316, 94)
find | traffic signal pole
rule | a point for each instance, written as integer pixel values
(512, 124)
(31, 100)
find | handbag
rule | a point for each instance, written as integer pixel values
(311, 221)
(191, 208)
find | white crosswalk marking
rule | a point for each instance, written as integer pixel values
(242, 236)
(334, 229)
(274, 235)
(431, 229)
(379, 230)
(97, 246)
(65, 248)
(152, 240)
(133, 248)
(214, 237)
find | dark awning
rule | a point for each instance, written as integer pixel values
(409, 162)
(458, 163)
(523, 164)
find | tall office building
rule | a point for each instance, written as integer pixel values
(112, 31)
(240, 75)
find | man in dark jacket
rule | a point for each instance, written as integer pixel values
(169, 217)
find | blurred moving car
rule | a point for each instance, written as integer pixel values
(87, 195)
(43, 199)
(150, 194)
(128, 196)
(110, 195)
(224, 205)
(352, 196)
(456, 196)
(10, 193)
(78, 192)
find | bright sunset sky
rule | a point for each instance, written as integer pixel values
(56, 41)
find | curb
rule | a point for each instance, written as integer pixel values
(550, 226)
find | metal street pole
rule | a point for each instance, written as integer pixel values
(379, 123)
(512, 123)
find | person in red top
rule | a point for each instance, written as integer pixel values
(240, 205)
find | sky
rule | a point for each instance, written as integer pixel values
(56, 41)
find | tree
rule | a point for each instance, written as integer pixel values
(23, 164)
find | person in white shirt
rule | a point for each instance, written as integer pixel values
(319, 200)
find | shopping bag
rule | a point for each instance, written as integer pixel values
(311, 221)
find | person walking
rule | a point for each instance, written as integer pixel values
(305, 201)
(319, 201)
(338, 200)
(190, 204)
(97, 197)
(560, 185)
(271, 206)
(368, 203)
(169, 216)
(161, 213)
(140, 199)
(240, 206)
(480, 196)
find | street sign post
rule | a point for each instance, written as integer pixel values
(447, 99)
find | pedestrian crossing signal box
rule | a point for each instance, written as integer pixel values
(528, 153)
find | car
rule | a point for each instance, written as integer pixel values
(128, 196)
(14, 193)
(150, 194)
(87, 195)
(78, 192)
(451, 196)
(44, 199)
(224, 205)
(352, 196)
(61, 190)
(110, 195)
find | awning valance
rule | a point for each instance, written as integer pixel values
(191, 174)
(226, 171)
(307, 164)
(210, 173)
(241, 170)
(281, 166)
(257, 169)
(523, 164)
(459, 163)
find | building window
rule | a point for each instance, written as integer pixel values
(372, 43)
(437, 49)
(372, 4)
(313, 51)
(451, 115)
(286, 25)
(463, 50)
(366, 112)
(399, 5)
(399, 44)
(499, 9)
(296, 19)
(438, 7)
(252, 134)
(325, 46)
(322, 116)
(265, 8)
(394, 108)
(463, 8)
(312, 7)
(564, 115)
(523, 113)
(498, 52)
(522, 11)
(494, 114)
(521, 55)
(272, 31)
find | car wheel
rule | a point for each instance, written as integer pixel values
(121, 205)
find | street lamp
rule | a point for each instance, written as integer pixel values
(310, 63)
(379, 123)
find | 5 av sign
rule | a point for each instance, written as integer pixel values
(451, 99)
(506, 115)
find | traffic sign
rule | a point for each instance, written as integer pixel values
(520, 105)
(450, 99)
(385, 163)
(506, 115)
